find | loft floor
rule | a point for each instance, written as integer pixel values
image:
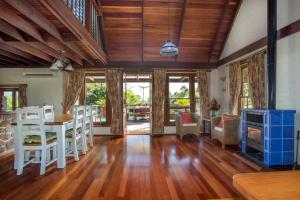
(133, 167)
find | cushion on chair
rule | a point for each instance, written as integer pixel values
(70, 132)
(189, 124)
(186, 117)
(36, 139)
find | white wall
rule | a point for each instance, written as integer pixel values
(39, 90)
(250, 26)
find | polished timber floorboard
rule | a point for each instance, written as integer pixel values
(134, 167)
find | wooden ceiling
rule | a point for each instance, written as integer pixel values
(35, 32)
(136, 29)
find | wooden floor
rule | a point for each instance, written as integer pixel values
(135, 167)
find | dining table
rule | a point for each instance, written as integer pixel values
(59, 124)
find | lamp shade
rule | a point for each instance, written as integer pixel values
(69, 67)
(57, 65)
(169, 49)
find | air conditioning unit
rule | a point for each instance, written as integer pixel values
(39, 74)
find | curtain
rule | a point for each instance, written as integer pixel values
(158, 101)
(74, 81)
(256, 71)
(114, 86)
(235, 86)
(22, 96)
(203, 92)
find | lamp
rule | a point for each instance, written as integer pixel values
(57, 65)
(169, 48)
(69, 67)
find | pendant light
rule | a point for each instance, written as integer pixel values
(169, 48)
(61, 63)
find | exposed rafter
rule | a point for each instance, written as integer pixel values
(218, 27)
(62, 12)
(184, 5)
(10, 30)
(9, 16)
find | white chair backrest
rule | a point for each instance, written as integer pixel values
(49, 112)
(88, 114)
(31, 121)
(78, 116)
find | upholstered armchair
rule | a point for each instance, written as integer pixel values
(187, 123)
(225, 129)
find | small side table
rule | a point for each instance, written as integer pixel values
(206, 126)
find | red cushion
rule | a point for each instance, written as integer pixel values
(186, 117)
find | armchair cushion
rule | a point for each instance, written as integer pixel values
(186, 117)
(189, 124)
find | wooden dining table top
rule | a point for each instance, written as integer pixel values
(269, 185)
(59, 119)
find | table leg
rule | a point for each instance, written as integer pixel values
(61, 142)
(16, 142)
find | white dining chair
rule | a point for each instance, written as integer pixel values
(34, 139)
(75, 137)
(48, 112)
(89, 128)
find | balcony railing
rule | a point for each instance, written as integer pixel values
(87, 13)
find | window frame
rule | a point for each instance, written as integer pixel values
(241, 96)
(192, 98)
(14, 90)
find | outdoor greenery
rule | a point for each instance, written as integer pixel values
(133, 99)
(180, 98)
(8, 103)
(96, 94)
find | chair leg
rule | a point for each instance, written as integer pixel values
(83, 143)
(48, 158)
(54, 151)
(20, 161)
(43, 161)
(27, 155)
(75, 150)
(91, 137)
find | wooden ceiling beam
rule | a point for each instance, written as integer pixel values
(182, 16)
(30, 50)
(14, 57)
(10, 30)
(159, 64)
(142, 38)
(27, 10)
(61, 11)
(218, 27)
(9, 16)
(18, 52)
(8, 60)
(60, 47)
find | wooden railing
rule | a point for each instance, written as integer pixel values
(87, 12)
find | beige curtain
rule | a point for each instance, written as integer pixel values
(22, 95)
(73, 83)
(235, 86)
(114, 86)
(158, 101)
(203, 92)
(256, 70)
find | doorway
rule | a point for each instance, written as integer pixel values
(137, 103)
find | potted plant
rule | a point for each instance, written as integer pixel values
(214, 107)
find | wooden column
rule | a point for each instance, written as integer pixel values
(271, 53)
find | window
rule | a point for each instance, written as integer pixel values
(245, 100)
(95, 94)
(179, 97)
(9, 99)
